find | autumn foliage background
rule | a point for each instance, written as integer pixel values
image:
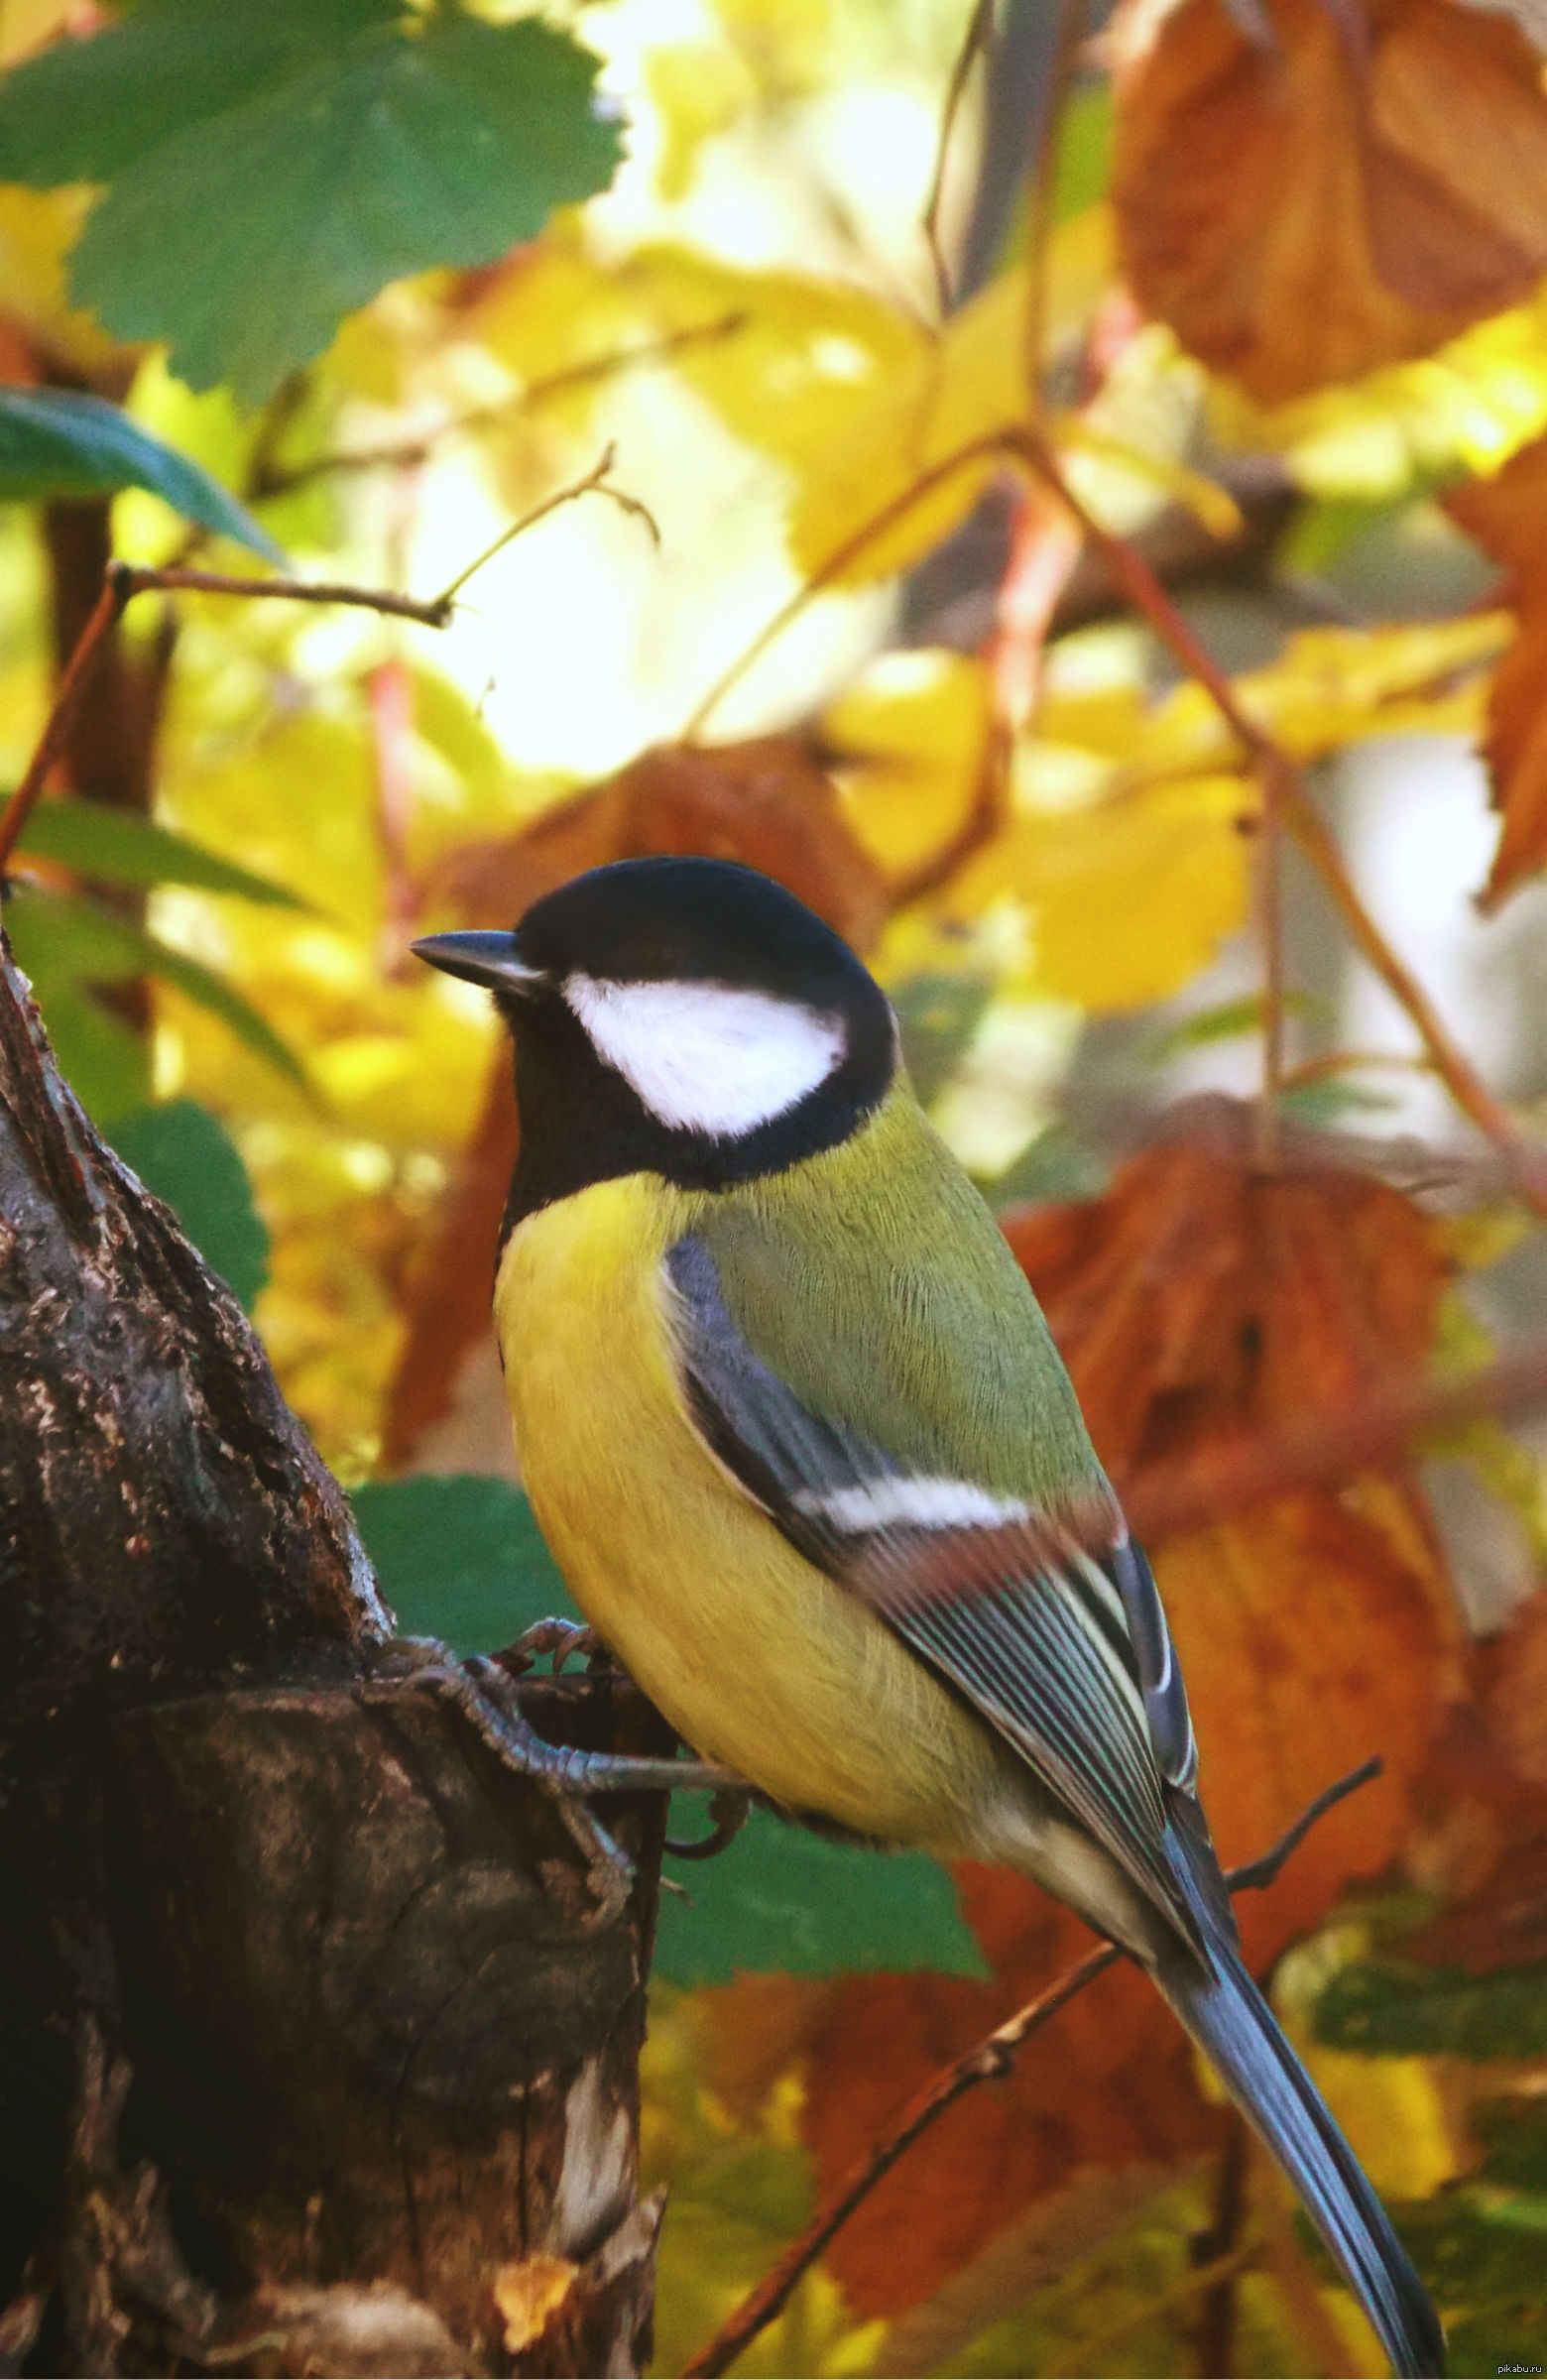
(1094, 606)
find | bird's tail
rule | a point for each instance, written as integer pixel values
(1234, 2026)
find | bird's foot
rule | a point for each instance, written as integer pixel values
(566, 1639)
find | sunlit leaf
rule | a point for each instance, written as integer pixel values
(120, 848)
(61, 442)
(1507, 514)
(1297, 223)
(269, 172)
(1127, 899)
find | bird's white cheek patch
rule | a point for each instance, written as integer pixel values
(707, 1057)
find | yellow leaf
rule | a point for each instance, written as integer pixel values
(964, 385)
(1127, 898)
(1468, 406)
(907, 743)
(528, 2293)
(697, 89)
(37, 229)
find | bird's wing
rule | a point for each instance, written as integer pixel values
(1047, 1621)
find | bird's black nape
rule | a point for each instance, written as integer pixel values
(699, 928)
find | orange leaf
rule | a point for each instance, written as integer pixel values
(1110, 2083)
(1198, 1298)
(765, 802)
(1307, 1642)
(1508, 515)
(1301, 214)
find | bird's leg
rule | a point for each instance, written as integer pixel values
(598, 1772)
(499, 1724)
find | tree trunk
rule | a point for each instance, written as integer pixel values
(317, 2051)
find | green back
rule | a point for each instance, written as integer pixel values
(875, 1281)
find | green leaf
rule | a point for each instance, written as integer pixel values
(185, 1155)
(460, 1558)
(782, 1897)
(59, 442)
(270, 168)
(121, 848)
(1393, 2009)
(63, 938)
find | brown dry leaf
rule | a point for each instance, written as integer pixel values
(1109, 2083)
(1307, 1644)
(765, 802)
(1519, 1696)
(1302, 214)
(1508, 515)
(1199, 1301)
(1198, 1298)
(528, 2293)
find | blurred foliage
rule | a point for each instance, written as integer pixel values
(357, 280)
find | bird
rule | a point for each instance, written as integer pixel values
(803, 1448)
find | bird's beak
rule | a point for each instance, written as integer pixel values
(491, 959)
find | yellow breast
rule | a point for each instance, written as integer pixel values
(756, 1658)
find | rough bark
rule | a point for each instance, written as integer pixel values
(317, 2052)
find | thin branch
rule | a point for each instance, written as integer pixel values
(990, 2059)
(72, 686)
(976, 38)
(1271, 926)
(843, 557)
(1285, 784)
(593, 483)
(1166, 1499)
(272, 479)
(124, 580)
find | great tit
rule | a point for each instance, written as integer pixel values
(803, 1446)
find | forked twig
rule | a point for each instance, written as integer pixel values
(124, 580)
(991, 2057)
(980, 26)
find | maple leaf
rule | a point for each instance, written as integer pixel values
(1300, 213)
(1200, 1301)
(1508, 515)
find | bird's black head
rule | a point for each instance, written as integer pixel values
(680, 1016)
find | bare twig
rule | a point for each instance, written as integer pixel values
(979, 27)
(595, 482)
(842, 559)
(78, 670)
(991, 2057)
(124, 580)
(1167, 1498)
